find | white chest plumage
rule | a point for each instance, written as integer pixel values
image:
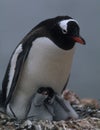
(46, 65)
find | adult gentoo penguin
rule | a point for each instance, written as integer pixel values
(42, 58)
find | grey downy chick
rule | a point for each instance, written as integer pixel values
(41, 108)
(63, 110)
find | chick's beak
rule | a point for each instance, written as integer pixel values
(79, 39)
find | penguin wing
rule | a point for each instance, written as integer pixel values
(61, 102)
(65, 86)
(13, 70)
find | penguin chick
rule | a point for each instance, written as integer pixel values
(61, 107)
(40, 106)
(63, 110)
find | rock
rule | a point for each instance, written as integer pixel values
(88, 123)
(89, 119)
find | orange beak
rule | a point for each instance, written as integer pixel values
(79, 40)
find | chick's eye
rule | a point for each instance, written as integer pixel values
(64, 31)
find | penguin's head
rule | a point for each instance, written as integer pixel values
(47, 91)
(64, 31)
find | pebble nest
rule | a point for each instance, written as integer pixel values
(89, 120)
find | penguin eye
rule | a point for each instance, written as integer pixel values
(64, 31)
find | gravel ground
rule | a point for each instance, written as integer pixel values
(89, 120)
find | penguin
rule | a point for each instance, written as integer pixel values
(41, 105)
(63, 109)
(43, 58)
(48, 105)
(60, 108)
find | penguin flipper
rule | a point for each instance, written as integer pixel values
(65, 86)
(62, 103)
(13, 71)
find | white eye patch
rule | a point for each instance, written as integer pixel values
(63, 24)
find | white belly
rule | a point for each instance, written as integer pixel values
(46, 65)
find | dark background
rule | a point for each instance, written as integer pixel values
(18, 17)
